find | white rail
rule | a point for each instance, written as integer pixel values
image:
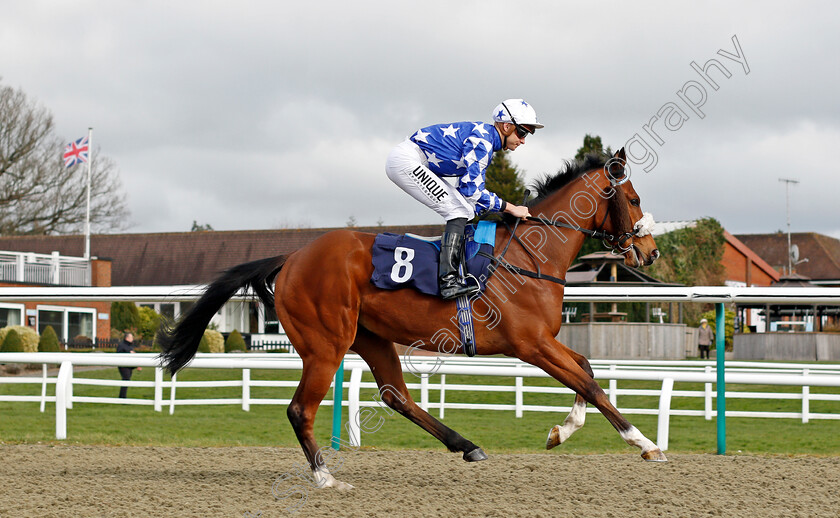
(44, 268)
(666, 372)
(749, 295)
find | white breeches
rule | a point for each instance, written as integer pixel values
(408, 168)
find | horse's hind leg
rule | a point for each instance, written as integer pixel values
(314, 384)
(385, 366)
(574, 421)
(557, 360)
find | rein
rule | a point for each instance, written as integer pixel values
(615, 243)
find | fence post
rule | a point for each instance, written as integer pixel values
(172, 394)
(442, 394)
(338, 396)
(806, 404)
(353, 416)
(20, 274)
(55, 267)
(70, 387)
(61, 400)
(158, 389)
(664, 413)
(43, 387)
(424, 392)
(518, 396)
(720, 354)
(613, 388)
(707, 392)
(246, 390)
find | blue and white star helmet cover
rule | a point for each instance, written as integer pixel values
(521, 111)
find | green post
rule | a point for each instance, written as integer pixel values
(720, 353)
(338, 396)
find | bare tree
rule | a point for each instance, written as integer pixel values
(37, 194)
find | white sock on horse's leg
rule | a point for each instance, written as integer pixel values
(650, 451)
(573, 422)
(323, 478)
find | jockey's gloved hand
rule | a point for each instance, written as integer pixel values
(518, 211)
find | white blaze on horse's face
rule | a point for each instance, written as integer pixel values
(645, 225)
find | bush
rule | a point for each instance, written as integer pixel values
(215, 341)
(28, 336)
(235, 342)
(49, 341)
(203, 344)
(12, 343)
(125, 315)
(82, 340)
(149, 323)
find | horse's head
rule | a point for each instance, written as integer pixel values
(630, 229)
(595, 197)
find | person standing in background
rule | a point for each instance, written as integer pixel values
(704, 340)
(126, 346)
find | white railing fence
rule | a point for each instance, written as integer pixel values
(44, 268)
(421, 371)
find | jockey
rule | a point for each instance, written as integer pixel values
(461, 150)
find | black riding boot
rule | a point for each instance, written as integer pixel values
(451, 244)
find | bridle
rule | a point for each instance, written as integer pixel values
(617, 244)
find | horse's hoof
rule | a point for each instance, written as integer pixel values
(553, 438)
(475, 455)
(655, 455)
(342, 486)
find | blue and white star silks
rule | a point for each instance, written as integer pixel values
(463, 149)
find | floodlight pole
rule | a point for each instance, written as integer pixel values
(788, 181)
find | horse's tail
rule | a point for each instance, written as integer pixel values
(179, 344)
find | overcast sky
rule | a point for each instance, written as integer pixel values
(253, 115)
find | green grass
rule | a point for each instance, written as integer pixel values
(495, 431)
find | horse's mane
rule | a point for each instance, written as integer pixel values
(569, 172)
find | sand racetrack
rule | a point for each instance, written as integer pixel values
(81, 481)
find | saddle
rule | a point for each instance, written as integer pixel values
(409, 261)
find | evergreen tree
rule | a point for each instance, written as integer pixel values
(49, 341)
(203, 344)
(592, 144)
(124, 316)
(12, 343)
(200, 228)
(235, 342)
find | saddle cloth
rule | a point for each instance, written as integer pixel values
(403, 261)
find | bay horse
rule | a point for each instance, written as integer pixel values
(328, 306)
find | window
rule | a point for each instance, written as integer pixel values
(11, 315)
(51, 318)
(272, 324)
(67, 322)
(167, 310)
(236, 317)
(79, 324)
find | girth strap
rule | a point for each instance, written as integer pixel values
(498, 261)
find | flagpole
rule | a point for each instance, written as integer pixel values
(87, 212)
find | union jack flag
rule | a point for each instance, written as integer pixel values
(76, 152)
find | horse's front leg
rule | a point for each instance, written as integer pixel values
(558, 361)
(574, 421)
